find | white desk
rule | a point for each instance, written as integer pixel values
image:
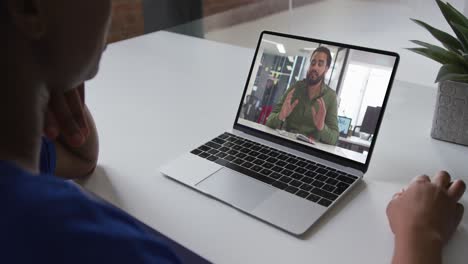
(162, 94)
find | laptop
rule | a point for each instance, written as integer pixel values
(261, 166)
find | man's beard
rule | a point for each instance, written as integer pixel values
(311, 81)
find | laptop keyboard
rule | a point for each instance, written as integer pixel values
(304, 178)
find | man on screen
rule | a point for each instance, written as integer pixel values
(309, 106)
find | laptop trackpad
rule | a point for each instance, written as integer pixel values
(237, 189)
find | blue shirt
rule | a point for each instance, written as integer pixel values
(45, 219)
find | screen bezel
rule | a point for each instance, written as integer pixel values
(310, 150)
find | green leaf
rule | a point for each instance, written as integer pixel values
(452, 72)
(431, 55)
(440, 55)
(446, 39)
(453, 16)
(459, 15)
(463, 31)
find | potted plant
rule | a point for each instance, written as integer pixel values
(450, 121)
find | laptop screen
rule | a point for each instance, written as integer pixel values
(305, 91)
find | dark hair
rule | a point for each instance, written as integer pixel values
(326, 51)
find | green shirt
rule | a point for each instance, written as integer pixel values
(300, 120)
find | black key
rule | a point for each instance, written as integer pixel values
(285, 179)
(291, 167)
(281, 163)
(238, 142)
(224, 136)
(295, 183)
(221, 155)
(254, 153)
(292, 160)
(204, 148)
(258, 162)
(328, 188)
(339, 190)
(264, 151)
(230, 158)
(310, 174)
(283, 157)
(262, 156)
(307, 180)
(301, 164)
(247, 165)
(267, 165)
(237, 147)
(311, 167)
(332, 174)
(212, 158)
(238, 161)
(196, 151)
(342, 185)
(244, 150)
(345, 179)
(291, 189)
(219, 141)
(266, 172)
(332, 181)
(213, 152)
(250, 173)
(349, 175)
(232, 152)
(249, 158)
(302, 194)
(241, 155)
(256, 168)
(321, 171)
(213, 145)
(224, 149)
(280, 185)
(275, 175)
(277, 168)
(274, 154)
(314, 198)
(286, 172)
(324, 194)
(204, 155)
(321, 178)
(222, 162)
(306, 187)
(300, 170)
(228, 145)
(247, 145)
(318, 184)
(324, 202)
(297, 176)
(272, 160)
(256, 148)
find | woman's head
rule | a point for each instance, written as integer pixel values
(62, 39)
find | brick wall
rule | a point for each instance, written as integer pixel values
(127, 20)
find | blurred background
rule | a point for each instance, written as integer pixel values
(136, 17)
(382, 24)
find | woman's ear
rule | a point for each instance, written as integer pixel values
(27, 16)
